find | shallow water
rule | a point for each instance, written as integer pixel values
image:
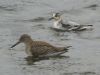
(31, 17)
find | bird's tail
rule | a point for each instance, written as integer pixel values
(82, 25)
(67, 48)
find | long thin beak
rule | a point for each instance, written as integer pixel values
(51, 18)
(15, 44)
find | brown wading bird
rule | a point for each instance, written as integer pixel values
(36, 49)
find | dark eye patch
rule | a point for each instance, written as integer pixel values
(57, 14)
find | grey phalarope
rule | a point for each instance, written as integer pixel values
(69, 26)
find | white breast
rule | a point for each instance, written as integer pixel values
(28, 51)
(57, 25)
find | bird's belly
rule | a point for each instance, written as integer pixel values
(57, 25)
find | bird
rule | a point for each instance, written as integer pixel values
(37, 49)
(69, 26)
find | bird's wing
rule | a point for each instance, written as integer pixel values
(73, 23)
(42, 48)
(69, 24)
(65, 25)
(53, 54)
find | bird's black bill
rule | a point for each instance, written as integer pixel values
(15, 44)
(51, 18)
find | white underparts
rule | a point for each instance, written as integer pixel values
(57, 25)
(27, 50)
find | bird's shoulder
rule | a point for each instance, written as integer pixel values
(41, 43)
(73, 23)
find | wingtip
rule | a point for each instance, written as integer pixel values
(90, 25)
(67, 48)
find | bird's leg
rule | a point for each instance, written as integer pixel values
(29, 60)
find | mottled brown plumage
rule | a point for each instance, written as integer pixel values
(40, 48)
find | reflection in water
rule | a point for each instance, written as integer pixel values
(31, 60)
(85, 34)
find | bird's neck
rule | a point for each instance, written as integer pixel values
(28, 46)
(28, 42)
